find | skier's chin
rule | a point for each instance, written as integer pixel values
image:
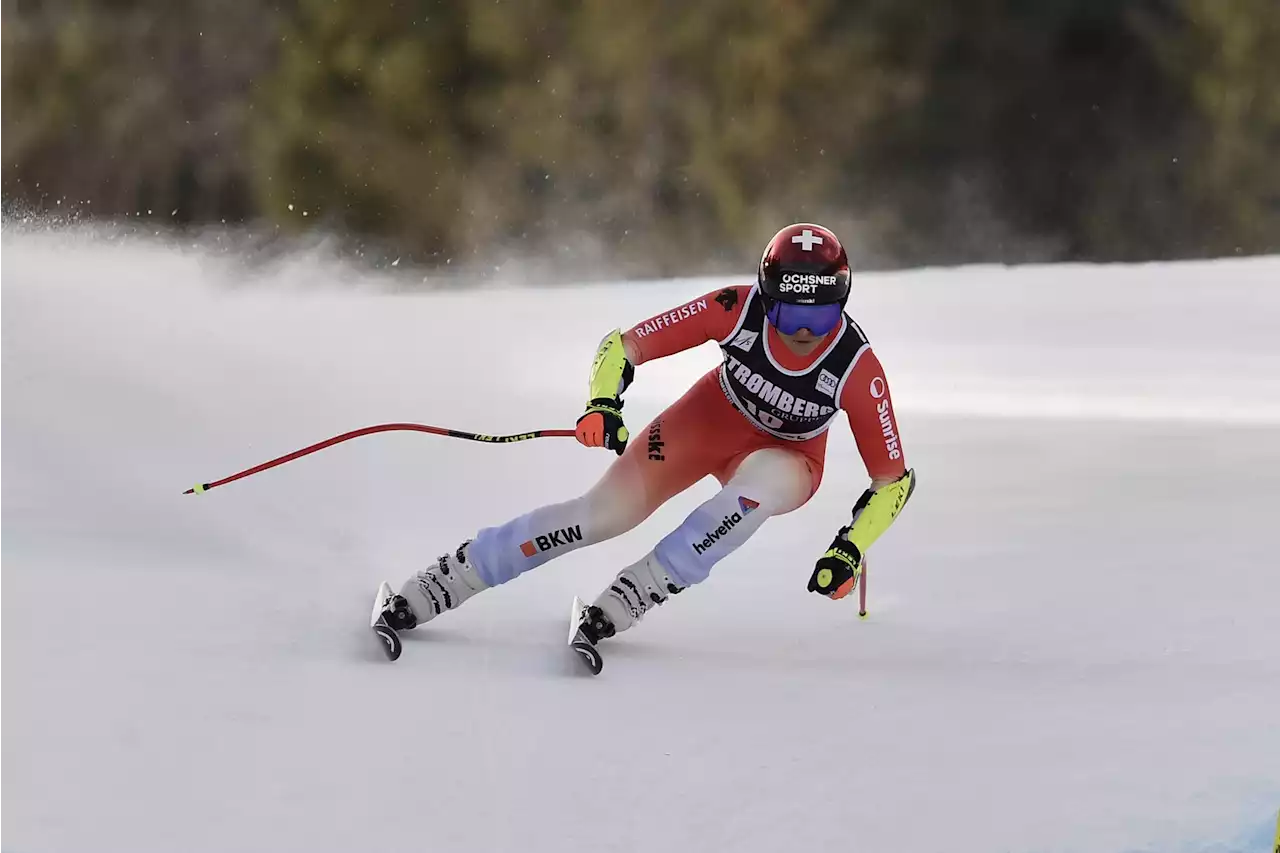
(803, 342)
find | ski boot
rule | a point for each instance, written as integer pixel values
(430, 592)
(636, 590)
(443, 586)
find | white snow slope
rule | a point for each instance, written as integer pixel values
(1073, 644)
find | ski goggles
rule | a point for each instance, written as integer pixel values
(789, 318)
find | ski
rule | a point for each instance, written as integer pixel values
(583, 648)
(390, 641)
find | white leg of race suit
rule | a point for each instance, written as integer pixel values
(502, 553)
(769, 482)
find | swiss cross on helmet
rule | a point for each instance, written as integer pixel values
(804, 266)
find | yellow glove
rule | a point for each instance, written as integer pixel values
(837, 571)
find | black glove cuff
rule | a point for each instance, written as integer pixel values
(842, 544)
(628, 374)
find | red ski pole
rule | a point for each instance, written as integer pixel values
(201, 488)
(862, 591)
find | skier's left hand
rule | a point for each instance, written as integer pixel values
(838, 570)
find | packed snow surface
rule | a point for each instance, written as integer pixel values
(1073, 642)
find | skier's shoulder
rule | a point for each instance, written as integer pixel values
(722, 308)
(731, 299)
(735, 294)
(854, 332)
(865, 373)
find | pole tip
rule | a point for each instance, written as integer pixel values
(197, 489)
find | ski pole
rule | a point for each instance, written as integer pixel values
(201, 488)
(862, 591)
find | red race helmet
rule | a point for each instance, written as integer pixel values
(804, 264)
(804, 279)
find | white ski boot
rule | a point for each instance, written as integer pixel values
(636, 590)
(443, 586)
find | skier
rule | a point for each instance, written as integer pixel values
(758, 423)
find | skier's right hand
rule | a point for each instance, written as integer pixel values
(601, 425)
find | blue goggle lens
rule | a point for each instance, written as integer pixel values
(819, 319)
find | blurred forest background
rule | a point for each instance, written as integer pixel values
(659, 137)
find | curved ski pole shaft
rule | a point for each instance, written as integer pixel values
(201, 488)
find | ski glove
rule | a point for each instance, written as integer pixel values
(601, 425)
(611, 372)
(838, 570)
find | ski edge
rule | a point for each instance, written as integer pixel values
(380, 602)
(575, 618)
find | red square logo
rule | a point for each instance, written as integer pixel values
(528, 549)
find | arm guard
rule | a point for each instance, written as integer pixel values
(611, 372)
(875, 511)
(838, 570)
